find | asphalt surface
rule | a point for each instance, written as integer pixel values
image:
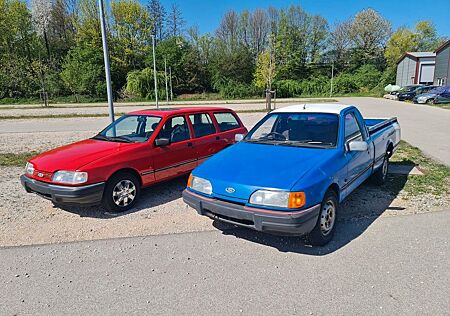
(400, 265)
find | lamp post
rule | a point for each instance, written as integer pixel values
(154, 72)
(106, 59)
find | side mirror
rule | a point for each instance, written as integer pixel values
(162, 142)
(357, 146)
(238, 137)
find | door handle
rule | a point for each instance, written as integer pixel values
(217, 138)
(189, 144)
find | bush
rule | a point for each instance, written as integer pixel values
(288, 88)
(345, 83)
(234, 90)
(367, 77)
(141, 83)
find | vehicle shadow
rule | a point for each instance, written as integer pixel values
(357, 213)
(151, 196)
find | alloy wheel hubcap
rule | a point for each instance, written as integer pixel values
(124, 193)
(327, 217)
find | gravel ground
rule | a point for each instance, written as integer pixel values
(28, 219)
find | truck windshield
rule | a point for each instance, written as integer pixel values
(296, 129)
(130, 129)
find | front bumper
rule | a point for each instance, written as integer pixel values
(285, 222)
(81, 195)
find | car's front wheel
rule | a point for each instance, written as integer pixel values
(326, 223)
(121, 192)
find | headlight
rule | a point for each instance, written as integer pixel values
(200, 185)
(29, 168)
(278, 198)
(70, 177)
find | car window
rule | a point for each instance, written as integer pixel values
(226, 121)
(296, 129)
(351, 127)
(136, 128)
(176, 129)
(202, 124)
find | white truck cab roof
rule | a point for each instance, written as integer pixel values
(333, 108)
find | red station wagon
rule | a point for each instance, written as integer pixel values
(139, 149)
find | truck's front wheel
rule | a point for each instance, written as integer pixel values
(326, 223)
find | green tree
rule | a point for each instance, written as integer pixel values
(264, 71)
(400, 42)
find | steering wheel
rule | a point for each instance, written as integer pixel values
(275, 136)
(177, 130)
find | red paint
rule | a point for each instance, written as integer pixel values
(103, 158)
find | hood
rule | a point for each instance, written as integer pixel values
(76, 155)
(247, 167)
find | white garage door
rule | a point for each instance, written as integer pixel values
(426, 73)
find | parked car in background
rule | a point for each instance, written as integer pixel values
(411, 93)
(139, 149)
(431, 95)
(291, 171)
(442, 99)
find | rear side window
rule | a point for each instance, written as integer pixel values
(226, 121)
(202, 124)
(351, 127)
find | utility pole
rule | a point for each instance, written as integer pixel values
(106, 59)
(154, 72)
(165, 75)
(332, 76)
(170, 78)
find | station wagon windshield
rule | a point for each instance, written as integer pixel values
(130, 129)
(296, 129)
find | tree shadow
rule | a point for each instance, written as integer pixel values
(357, 213)
(151, 196)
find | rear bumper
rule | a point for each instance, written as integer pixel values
(288, 223)
(82, 195)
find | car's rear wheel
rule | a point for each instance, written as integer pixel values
(121, 193)
(323, 232)
(380, 176)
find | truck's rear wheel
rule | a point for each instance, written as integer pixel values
(326, 223)
(379, 177)
(121, 193)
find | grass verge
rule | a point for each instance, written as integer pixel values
(436, 178)
(16, 160)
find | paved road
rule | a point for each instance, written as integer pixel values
(423, 126)
(399, 266)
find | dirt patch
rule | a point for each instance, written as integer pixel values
(28, 219)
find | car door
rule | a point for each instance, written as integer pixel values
(205, 139)
(359, 163)
(179, 156)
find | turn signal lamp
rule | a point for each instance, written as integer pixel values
(296, 199)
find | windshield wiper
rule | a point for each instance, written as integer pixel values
(122, 139)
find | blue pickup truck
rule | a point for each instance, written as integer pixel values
(289, 174)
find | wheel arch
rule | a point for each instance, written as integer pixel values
(335, 187)
(127, 170)
(390, 149)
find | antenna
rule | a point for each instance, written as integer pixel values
(304, 106)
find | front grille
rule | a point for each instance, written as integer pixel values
(42, 175)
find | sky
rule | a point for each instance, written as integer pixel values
(206, 14)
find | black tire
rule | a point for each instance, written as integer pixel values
(325, 227)
(380, 176)
(121, 193)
